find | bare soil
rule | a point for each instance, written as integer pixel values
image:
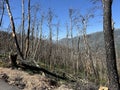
(25, 81)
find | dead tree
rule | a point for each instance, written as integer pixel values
(79, 49)
(71, 24)
(22, 31)
(13, 60)
(67, 34)
(90, 64)
(39, 43)
(72, 16)
(35, 9)
(13, 29)
(28, 32)
(110, 46)
(67, 45)
(50, 19)
(3, 9)
(57, 36)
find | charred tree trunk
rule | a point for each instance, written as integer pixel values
(28, 33)
(13, 58)
(22, 32)
(110, 47)
(13, 28)
(3, 9)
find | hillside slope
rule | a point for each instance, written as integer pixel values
(93, 38)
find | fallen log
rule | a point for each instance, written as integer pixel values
(38, 69)
(26, 64)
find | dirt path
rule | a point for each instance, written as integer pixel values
(6, 86)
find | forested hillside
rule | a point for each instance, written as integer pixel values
(50, 38)
(94, 39)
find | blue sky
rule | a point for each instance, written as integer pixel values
(60, 8)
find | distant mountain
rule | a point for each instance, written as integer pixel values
(93, 39)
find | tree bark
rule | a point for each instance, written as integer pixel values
(3, 9)
(23, 32)
(110, 47)
(13, 58)
(50, 18)
(13, 28)
(28, 33)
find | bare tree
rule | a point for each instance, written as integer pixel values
(79, 34)
(13, 28)
(67, 34)
(57, 26)
(35, 9)
(49, 19)
(39, 43)
(28, 32)
(109, 46)
(41, 24)
(22, 31)
(71, 12)
(89, 62)
(2, 9)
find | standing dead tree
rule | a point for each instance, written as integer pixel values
(13, 28)
(67, 34)
(39, 43)
(28, 32)
(49, 19)
(23, 30)
(2, 9)
(35, 9)
(57, 29)
(72, 16)
(71, 24)
(110, 46)
(14, 56)
(90, 69)
(79, 60)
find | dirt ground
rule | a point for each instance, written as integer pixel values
(25, 81)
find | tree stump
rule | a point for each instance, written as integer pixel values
(13, 58)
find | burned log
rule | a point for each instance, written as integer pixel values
(38, 69)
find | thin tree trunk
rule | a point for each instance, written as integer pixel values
(22, 34)
(71, 25)
(28, 33)
(33, 29)
(40, 40)
(87, 48)
(13, 28)
(57, 33)
(3, 9)
(50, 18)
(110, 47)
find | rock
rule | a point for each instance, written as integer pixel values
(103, 88)
(5, 77)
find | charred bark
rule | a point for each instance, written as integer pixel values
(28, 32)
(3, 9)
(13, 58)
(110, 47)
(25, 66)
(13, 29)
